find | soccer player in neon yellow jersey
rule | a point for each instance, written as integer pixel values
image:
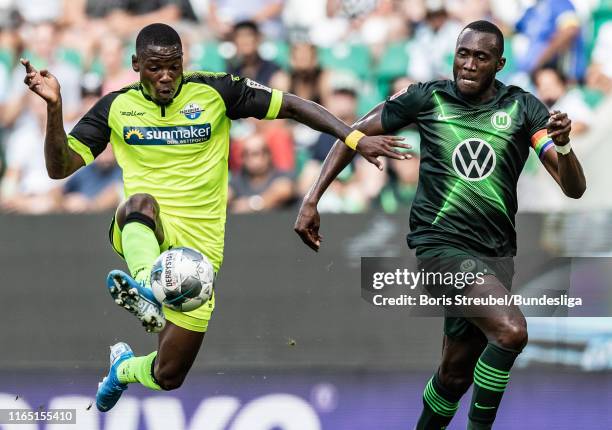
(170, 135)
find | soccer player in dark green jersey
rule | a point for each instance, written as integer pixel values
(170, 135)
(475, 138)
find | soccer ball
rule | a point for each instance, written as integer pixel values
(182, 279)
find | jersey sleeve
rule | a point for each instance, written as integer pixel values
(537, 118)
(246, 98)
(91, 134)
(402, 108)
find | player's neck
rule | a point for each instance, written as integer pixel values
(484, 97)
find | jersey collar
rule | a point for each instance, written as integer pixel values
(501, 90)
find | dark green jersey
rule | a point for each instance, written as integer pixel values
(471, 158)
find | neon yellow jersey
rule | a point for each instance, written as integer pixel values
(178, 152)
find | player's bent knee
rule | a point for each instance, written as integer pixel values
(513, 335)
(142, 202)
(140, 205)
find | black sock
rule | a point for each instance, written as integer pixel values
(439, 406)
(491, 377)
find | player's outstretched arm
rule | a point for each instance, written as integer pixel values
(562, 164)
(308, 221)
(317, 117)
(61, 161)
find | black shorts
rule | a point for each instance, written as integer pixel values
(451, 261)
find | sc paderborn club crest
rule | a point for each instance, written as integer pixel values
(474, 159)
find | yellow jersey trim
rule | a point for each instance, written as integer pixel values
(80, 148)
(275, 104)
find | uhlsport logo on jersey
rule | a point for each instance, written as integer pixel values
(501, 120)
(192, 111)
(176, 135)
(474, 159)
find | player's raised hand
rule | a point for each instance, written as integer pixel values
(307, 225)
(559, 127)
(41, 82)
(372, 147)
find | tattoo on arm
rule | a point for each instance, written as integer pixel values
(60, 160)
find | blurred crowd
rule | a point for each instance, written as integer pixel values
(347, 55)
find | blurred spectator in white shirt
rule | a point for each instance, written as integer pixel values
(431, 53)
(26, 187)
(599, 74)
(301, 17)
(383, 25)
(41, 48)
(224, 14)
(552, 90)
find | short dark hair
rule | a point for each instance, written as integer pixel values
(157, 35)
(247, 24)
(484, 26)
(558, 73)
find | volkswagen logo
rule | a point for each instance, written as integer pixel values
(474, 159)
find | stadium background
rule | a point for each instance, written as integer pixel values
(292, 344)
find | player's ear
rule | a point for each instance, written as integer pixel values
(501, 63)
(135, 65)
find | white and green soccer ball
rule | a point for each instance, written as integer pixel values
(182, 279)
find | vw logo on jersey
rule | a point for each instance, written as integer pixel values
(474, 159)
(192, 111)
(501, 120)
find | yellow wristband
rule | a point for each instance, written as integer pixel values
(353, 138)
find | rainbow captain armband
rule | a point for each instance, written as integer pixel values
(353, 138)
(541, 142)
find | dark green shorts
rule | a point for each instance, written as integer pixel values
(449, 260)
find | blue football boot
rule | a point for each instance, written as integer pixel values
(136, 298)
(110, 389)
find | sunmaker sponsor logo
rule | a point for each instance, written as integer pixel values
(176, 135)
